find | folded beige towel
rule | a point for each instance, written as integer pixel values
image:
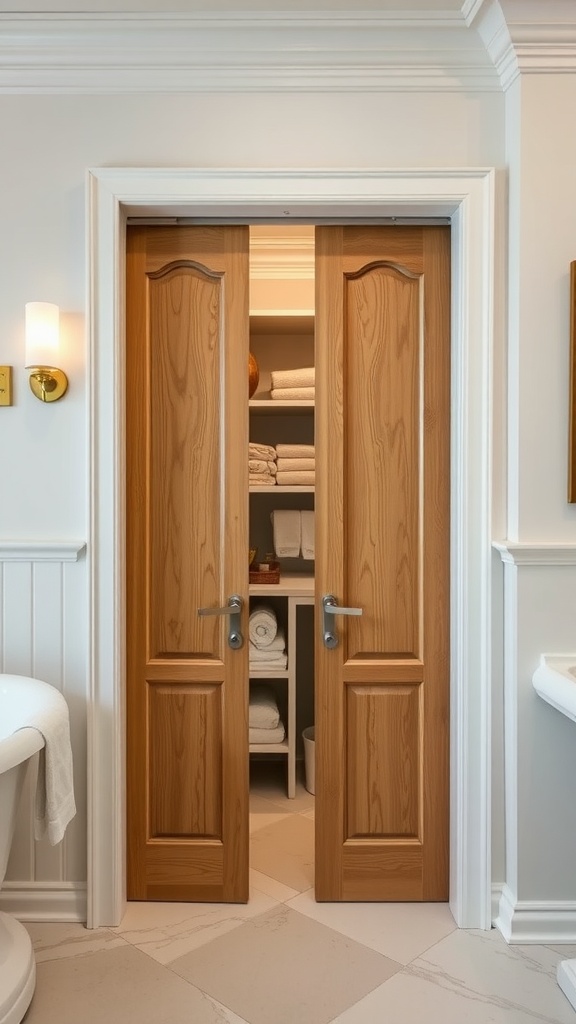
(263, 709)
(291, 465)
(296, 479)
(295, 451)
(261, 661)
(307, 533)
(293, 394)
(265, 479)
(301, 378)
(262, 466)
(267, 735)
(286, 532)
(261, 451)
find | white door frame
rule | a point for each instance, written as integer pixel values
(467, 197)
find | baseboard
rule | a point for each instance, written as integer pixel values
(44, 901)
(497, 889)
(535, 922)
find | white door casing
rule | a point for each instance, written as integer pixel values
(467, 197)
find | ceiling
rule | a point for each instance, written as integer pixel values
(410, 8)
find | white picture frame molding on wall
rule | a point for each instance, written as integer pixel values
(467, 197)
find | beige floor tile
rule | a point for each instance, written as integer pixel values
(271, 887)
(119, 986)
(283, 968)
(268, 782)
(261, 819)
(401, 931)
(285, 851)
(168, 930)
(56, 941)
(473, 977)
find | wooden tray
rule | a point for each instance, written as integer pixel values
(269, 575)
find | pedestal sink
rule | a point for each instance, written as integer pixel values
(555, 681)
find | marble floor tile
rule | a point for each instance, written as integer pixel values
(401, 931)
(271, 887)
(261, 819)
(168, 930)
(117, 986)
(473, 977)
(284, 968)
(285, 851)
(56, 941)
(268, 782)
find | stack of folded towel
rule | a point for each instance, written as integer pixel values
(295, 464)
(293, 532)
(289, 385)
(264, 722)
(267, 649)
(261, 464)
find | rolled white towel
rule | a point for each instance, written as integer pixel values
(301, 378)
(262, 626)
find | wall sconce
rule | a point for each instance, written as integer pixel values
(47, 382)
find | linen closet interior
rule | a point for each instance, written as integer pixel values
(281, 533)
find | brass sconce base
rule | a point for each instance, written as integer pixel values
(48, 383)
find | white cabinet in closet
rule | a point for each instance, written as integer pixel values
(282, 343)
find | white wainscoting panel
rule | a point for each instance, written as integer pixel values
(43, 622)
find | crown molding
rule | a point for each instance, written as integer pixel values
(520, 37)
(315, 51)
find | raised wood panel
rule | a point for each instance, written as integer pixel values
(184, 305)
(382, 477)
(185, 777)
(369, 873)
(383, 753)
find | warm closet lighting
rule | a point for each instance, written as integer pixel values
(47, 382)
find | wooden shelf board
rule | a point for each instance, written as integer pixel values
(269, 748)
(290, 585)
(279, 489)
(270, 406)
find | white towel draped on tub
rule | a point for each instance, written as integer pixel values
(262, 626)
(55, 805)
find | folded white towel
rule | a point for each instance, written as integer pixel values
(293, 394)
(278, 643)
(264, 479)
(267, 735)
(262, 626)
(263, 710)
(279, 663)
(261, 451)
(286, 531)
(307, 531)
(258, 654)
(294, 465)
(307, 478)
(301, 378)
(295, 451)
(263, 466)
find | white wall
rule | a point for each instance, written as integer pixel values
(48, 142)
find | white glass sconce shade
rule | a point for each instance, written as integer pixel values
(47, 382)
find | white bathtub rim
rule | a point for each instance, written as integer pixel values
(18, 747)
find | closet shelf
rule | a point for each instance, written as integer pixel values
(255, 673)
(270, 406)
(279, 489)
(269, 748)
(290, 585)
